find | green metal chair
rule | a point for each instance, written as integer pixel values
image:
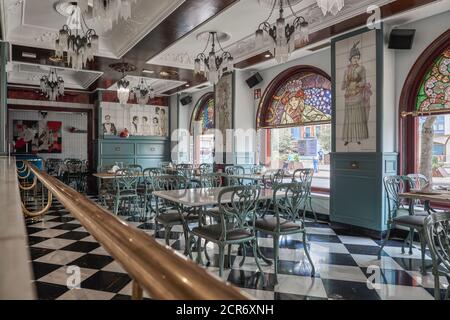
(305, 176)
(399, 215)
(211, 180)
(146, 192)
(126, 183)
(236, 226)
(235, 171)
(135, 167)
(73, 174)
(205, 168)
(288, 202)
(170, 214)
(256, 169)
(106, 188)
(437, 231)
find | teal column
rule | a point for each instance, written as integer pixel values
(3, 97)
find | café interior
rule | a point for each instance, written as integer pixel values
(225, 150)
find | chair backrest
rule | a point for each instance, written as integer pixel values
(238, 205)
(437, 229)
(74, 166)
(304, 176)
(418, 181)
(288, 201)
(169, 182)
(272, 178)
(52, 165)
(126, 180)
(149, 175)
(211, 180)
(205, 168)
(235, 171)
(135, 167)
(393, 186)
(256, 169)
(104, 168)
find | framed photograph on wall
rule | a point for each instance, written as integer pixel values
(355, 70)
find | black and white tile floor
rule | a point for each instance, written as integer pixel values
(343, 263)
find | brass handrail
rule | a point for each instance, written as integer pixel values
(157, 269)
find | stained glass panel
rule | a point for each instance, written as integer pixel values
(434, 92)
(304, 99)
(204, 114)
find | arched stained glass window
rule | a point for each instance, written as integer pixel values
(203, 114)
(434, 91)
(304, 98)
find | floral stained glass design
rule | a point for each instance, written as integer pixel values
(304, 99)
(204, 114)
(434, 92)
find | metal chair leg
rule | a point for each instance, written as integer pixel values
(305, 247)
(383, 242)
(276, 249)
(221, 259)
(423, 246)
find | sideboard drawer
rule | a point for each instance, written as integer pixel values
(117, 149)
(150, 149)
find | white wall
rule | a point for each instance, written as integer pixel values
(74, 145)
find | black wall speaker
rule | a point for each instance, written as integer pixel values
(254, 80)
(401, 39)
(186, 100)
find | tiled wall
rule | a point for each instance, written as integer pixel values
(74, 145)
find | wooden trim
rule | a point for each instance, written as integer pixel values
(408, 135)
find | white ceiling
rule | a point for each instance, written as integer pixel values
(30, 74)
(241, 20)
(36, 23)
(159, 85)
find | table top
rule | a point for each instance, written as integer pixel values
(108, 175)
(436, 195)
(202, 197)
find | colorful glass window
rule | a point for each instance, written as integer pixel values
(434, 92)
(204, 113)
(304, 99)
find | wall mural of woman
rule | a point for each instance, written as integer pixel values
(355, 65)
(357, 99)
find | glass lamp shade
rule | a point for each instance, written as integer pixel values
(123, 94)
(259, 38)
(331, 6)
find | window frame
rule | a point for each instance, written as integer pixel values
(266, 100)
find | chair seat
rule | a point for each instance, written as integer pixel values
(128, 193)
(214, 231)
(414, 221)
(172, 216)
(270, 224)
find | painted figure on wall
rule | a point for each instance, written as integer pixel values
(163, 122)
(135, 129)
(357, 99)
(50, 137)
(156, 129)
(146, 127)
(109, 128)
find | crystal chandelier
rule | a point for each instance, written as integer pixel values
(77, 39)
(123, 85)
(283, 35)
(107, 13)
(52, 86)
(216, 64)
(142, 92)
(332, 6)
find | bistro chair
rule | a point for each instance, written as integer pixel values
(187, 171)
(288, 202)
(146, 192)
(235, 171)
(73, 173)
(205, 168)
(398, 215)
(256, 169)
(135, 167)
(211, 180)
(437, 230)
(126, 183)
(106, 188)
(269, 180)
(237, 218)
(305, 176)
(165, 166)
(53, 165)
(170, 214)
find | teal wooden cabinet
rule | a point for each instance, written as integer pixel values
(358, 196)
(147, 152)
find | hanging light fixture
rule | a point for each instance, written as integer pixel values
(215, 64)
(283, 34)
(123, 85)
(331, 6)
(77, 39)
(142, 92)
(52, 86)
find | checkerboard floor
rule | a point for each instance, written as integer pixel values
(344, 264)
